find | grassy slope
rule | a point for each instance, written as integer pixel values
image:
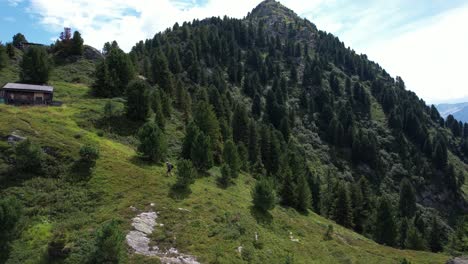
(218, 222)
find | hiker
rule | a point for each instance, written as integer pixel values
(169, 167)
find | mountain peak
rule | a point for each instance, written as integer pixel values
(270, 8)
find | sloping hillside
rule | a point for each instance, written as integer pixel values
(217, 221)
(268, 101)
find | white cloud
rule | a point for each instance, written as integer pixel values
(14, 2)
(431, 57)
(128, 21)
(428, 54)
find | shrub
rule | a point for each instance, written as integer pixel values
(10, 213)
(329, 233)
(28, 157)
(108, 243)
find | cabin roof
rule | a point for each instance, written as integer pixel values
(28, 87)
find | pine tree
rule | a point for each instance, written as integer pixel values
(138, 103)
(287, 192)
(161, 73)
(304, 196)
(35, 67)
(191, 133)
(407, 205)
(206, 120)
(240, 124)
(257, 106)
(201, 155)
(435, 236)
(153, 144)
(385, 226)
(314, 184)
(183, 99)
(403, 236)
(157, 107)
(357, 204)
(77, 47)
(415, 240)
(226, 176)
(253, 144)
(3, 56)
(342, 210)
(231, 158)
(174, 61)
(108, 244)
(186, 175)
(440, 155)
(263, 195)
(114, 73)
(18, 40)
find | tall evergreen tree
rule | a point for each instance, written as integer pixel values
(3, 56)
(201, 152)
(35, 66)
(153, 144)
(288, 188)
(174, 61)
(157, 107)
(206, 120)
(186, 175)
(407, 205)
(436, 236)
(404, 229)
(161, 73)
(191, 133)
(231, 157)
(77, 47)
(304, 196)
(240, 125)
(114, 73)
(138, 103)
(342, 210)
(385, 226)
(263, 195)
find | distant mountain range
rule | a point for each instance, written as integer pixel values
(459, 111)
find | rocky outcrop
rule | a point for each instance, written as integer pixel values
(460, 260)
(144, 225)
(91, 53)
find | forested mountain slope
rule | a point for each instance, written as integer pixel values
(288, 148)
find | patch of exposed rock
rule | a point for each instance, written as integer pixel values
(460, 260)
(91, 53)
(144, 225)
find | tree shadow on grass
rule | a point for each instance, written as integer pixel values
(264, 218)
(179, 193)
(119, 125)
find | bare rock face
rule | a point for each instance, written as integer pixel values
(460, 260)
(144, 224)
(91, 53)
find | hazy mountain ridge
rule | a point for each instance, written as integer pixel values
(458, 110)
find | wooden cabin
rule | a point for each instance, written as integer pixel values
(27, 94)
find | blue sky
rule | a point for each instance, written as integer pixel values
(424, 41)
